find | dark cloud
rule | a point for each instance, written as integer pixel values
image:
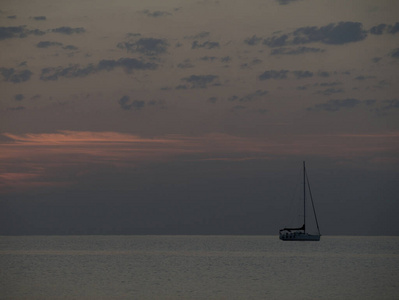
(384, 28)
(273, 74)
(330, 91)
(181, 87)
(225, 59)
(126, 104)
(276, 41)
(70, 47)
(155, 14)
(19, 97)
(302, 74)
(295, 51)
(395, 53)
(15, 76)
(323, 74)
(68, 72)
(390, 104)
(336, 104)
(46, 44)
(68, 30)
(18, 32)
(201, 81)
(208, 58)
(254, 40)
(11, 17)
(146, 46)
(255, 61)
(379, 29)
(336, 34)
(39, 18)
(335, 83)
(128, 64)
(249, 97)
(285, 2)
(186, 64)
(206, 45)
(393, 29)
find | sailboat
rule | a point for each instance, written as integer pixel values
(300, 233)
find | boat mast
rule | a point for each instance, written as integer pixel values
(304, 197)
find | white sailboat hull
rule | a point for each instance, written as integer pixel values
(299, 236)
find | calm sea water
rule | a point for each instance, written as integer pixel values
(198, 267)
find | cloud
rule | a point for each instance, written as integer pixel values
(395, 53)
(19, 97)
(330, 91)
(226, 59)
(386, 106)
(285, 2)
(46, 44)
(186, 64)
(12, 17)
(126, 104)
(379, 29)
(39, 18)
(335, 34)
(254, 40)
(336, 104)
(276, 41)
(11, 75)
(70, 47)
(295, 51)
(206, 45)
(334, 83)
(128, 64)
(384, 28)
(156, 14)
(68, 30)
(323, 74)
(146, 46)
(302, 74)
(362, 77)
(18, 32)
(208, 58)
(273, 74)
(254, 62)
(249, 97)
(201, 81)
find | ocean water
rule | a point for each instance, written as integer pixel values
(198, 267)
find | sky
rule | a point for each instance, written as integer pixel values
(194, 117)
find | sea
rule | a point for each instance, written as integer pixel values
(198, 267)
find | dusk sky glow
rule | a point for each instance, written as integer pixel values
(193, 117)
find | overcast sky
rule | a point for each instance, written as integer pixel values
(194, 117)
